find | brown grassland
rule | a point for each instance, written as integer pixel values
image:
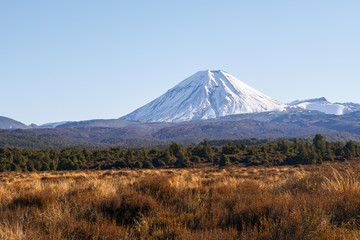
(285, 202)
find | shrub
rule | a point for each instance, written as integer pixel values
(147, 165)
(128, 208)
(224, 161)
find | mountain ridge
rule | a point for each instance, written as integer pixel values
(270, 125)
(9, 123)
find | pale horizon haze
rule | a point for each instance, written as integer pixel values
(80, 60)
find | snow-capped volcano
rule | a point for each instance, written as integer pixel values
(204, 95)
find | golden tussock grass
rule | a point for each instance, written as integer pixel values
(286, 202)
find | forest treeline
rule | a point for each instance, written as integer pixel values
(281, 152)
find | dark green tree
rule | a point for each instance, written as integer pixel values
(350, 149)
(224, 161)
(147, 165)
(181, 160)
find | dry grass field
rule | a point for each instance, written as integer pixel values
(286, 202)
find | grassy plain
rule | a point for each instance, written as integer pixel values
(285, 202)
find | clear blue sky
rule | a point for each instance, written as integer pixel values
(78, 60)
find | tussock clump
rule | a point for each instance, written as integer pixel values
(127, 209)
(158, 187)
(35, 199)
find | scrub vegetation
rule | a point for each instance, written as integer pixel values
(244, 152)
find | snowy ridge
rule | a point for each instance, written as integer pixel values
(322, 105)
(312, 100)
(204, 95)
(52, 125)
(355, 107)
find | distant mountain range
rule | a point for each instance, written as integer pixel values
(117, 132)
(209, 104)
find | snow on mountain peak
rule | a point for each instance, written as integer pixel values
(204, 95)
